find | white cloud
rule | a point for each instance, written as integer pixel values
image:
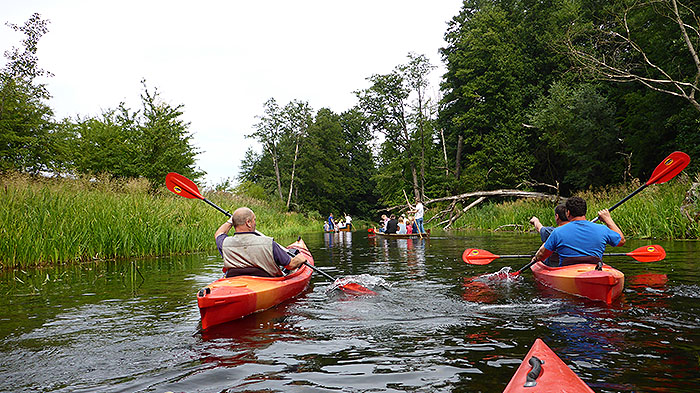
(223, 59)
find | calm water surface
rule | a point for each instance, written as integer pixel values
(437, 325)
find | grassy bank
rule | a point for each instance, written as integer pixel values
(50, 221)
(653, 213)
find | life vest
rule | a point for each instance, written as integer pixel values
(250, 250)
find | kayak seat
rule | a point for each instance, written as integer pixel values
(247, 271)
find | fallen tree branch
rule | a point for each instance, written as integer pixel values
(457, 216)
(497, 193)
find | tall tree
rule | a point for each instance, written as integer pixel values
(501, 56)
(297, 117)
(416, 73)
(385, 105)
(164, 140)
(268, 131)
(25, 119)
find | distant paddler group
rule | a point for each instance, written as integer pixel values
(340, 225)
(403, 226)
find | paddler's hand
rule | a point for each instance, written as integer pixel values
(604, 216)
(536, 223)
(297, 261)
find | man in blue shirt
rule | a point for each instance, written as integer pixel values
(581, 241)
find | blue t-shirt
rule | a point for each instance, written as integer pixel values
(581, 238)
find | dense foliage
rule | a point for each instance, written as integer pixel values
(569, 93)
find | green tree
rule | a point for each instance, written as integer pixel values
(164, 140)
(578, 130)
(501, 57)
(268, 132)
(25, 119)
(106, 144)
(147, 143)
(654, 43)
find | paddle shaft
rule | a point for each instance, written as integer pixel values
(625, 199)
(617, 254)
(665, 171)
(317, 270)
(216, 207)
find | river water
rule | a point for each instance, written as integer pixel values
(436, 325)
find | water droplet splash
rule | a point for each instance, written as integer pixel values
(365, 280)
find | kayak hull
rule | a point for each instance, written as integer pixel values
(403, 236)
(555, 375)
(232, 298)
(582, 280)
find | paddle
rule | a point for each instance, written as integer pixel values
(652, 253)
(351, 288)
(185, 187)
(665, 171)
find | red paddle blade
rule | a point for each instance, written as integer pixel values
(370, 230)
(474, 256)
(182, 186)
(669, 168)
(651, 253)
(356, 289)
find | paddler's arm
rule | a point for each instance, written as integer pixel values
(297, 261)
(605, 217)
(224, 228)
(541, 254)
(536, 223)
(286, 259)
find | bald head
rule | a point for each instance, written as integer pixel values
(243, 218)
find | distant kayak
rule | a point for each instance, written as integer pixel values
(582, 280)
(543, 371)
(231, 298)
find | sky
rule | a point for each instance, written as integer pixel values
(222, 60)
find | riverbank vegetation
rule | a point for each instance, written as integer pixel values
(657, 212)
(54, 221)
(566, 97)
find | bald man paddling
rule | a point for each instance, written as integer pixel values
(249, 252)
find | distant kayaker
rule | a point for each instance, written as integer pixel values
(560, 219)
(581, 241)
(248, 252)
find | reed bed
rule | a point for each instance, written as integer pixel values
(653, 213)
(57, 221)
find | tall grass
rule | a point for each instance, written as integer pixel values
(53, 221)
(653, 213)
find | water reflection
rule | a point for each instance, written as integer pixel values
(439, 325)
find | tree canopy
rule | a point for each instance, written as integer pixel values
(569, 93)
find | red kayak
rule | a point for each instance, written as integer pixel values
(231, 298)
(543, 371)
(582, 280)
